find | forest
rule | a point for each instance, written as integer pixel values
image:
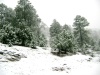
(23, 27)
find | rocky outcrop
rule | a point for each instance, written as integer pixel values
(7, 55)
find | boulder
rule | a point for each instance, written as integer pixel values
(12, 58)
(11, 55)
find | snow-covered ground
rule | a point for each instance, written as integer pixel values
(42, 62)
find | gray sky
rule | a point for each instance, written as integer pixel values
(64, 10)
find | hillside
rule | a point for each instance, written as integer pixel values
(42, 62)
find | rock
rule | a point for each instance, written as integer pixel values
(5, 50)
(44, 48)
(64, 64)
(1, 52)
(23, 55)
(10, 53)
(69, 54)
(89, 59)
(58, 68)
(68, 68)
(12, 58)
(3, 60)
(17, 55)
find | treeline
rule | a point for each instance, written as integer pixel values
(21, 26)
(66, 39)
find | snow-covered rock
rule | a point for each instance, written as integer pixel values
(9, 53)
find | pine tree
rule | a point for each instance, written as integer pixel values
(26, 21)
(55, 28)
(63, 42)
(61, 38)
(28, 24)
(25, 11)
(67, 27)
(7, 34)
(6, 15)
(80, 33)
(21, 26)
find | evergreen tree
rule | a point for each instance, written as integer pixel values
(26, 18)
(67, 27)
(6, 15)
(55, 28)
(80, 33)
(7, 34)
(63, 42)
(21, 26)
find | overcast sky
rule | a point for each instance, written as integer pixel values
(64, 11)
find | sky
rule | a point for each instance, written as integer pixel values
(64, 11)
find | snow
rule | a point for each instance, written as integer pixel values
(42, 62)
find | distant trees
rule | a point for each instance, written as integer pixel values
(21, 26)
(95, 39)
